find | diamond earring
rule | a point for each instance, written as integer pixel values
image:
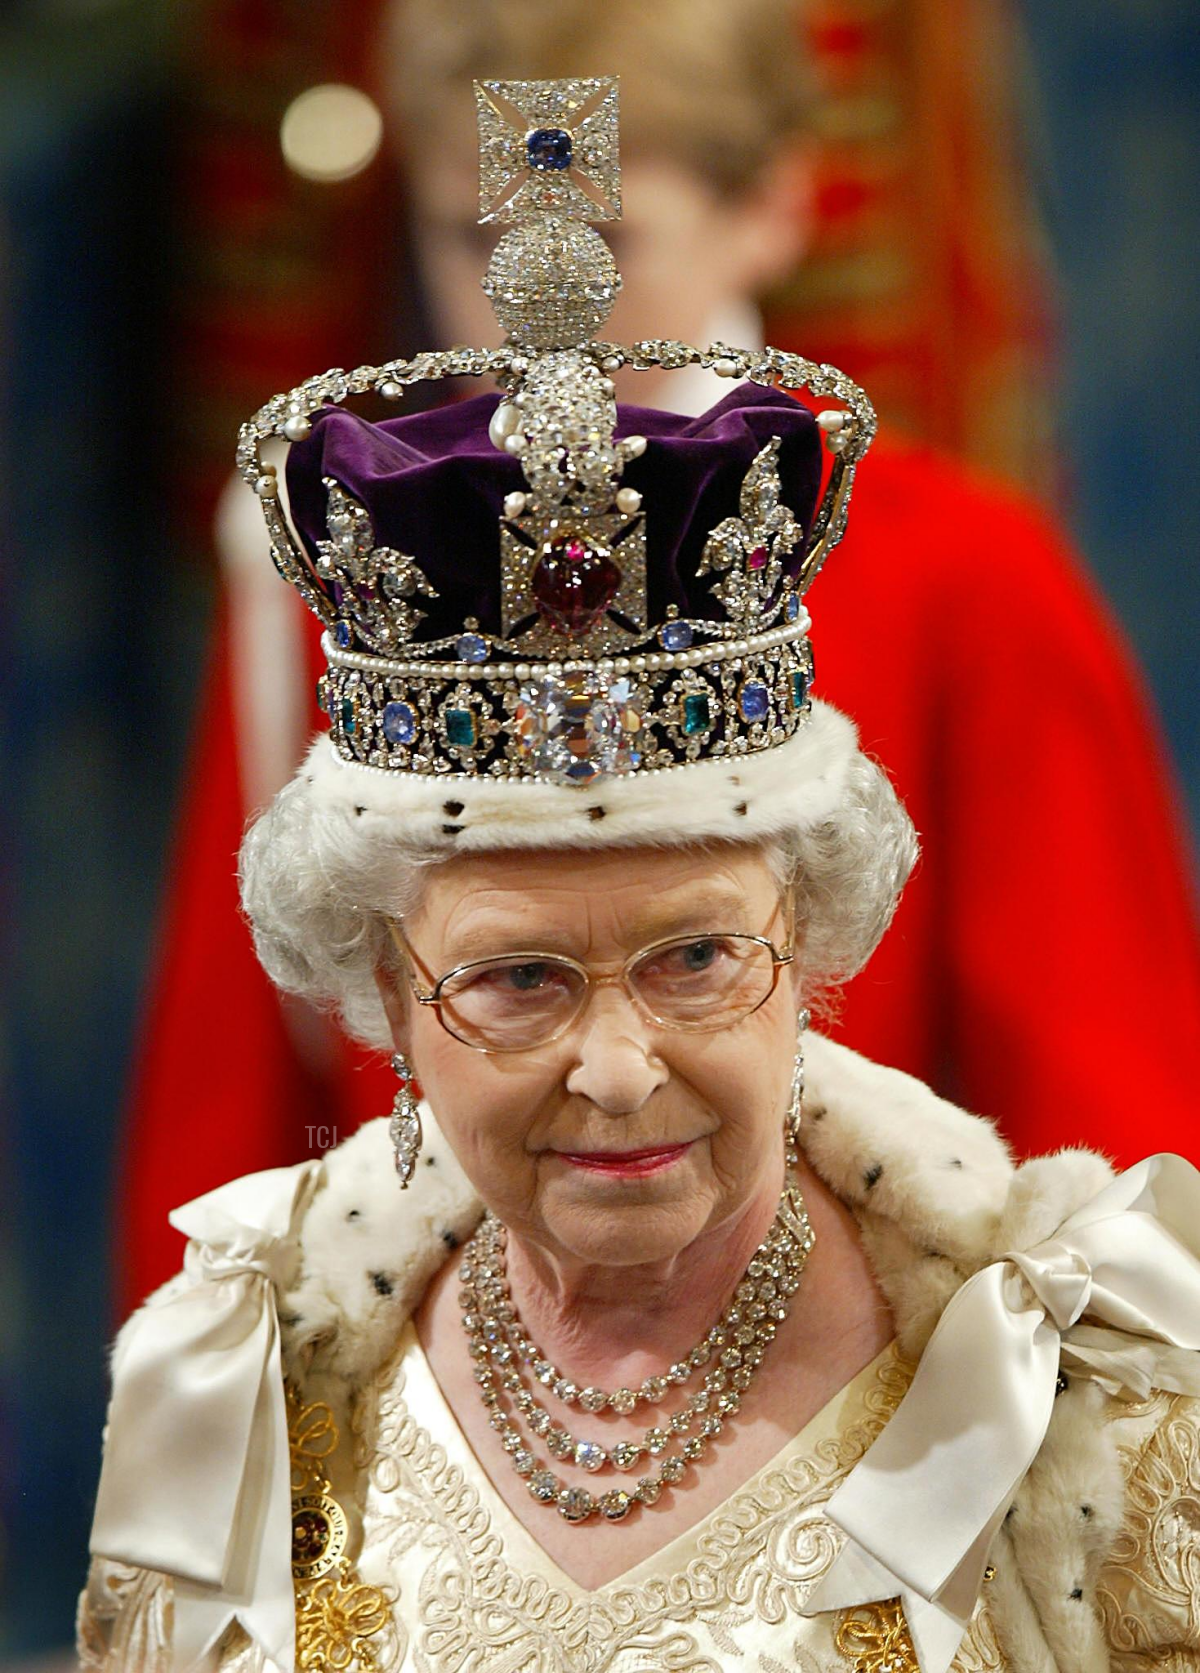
(791, 1124)
(405, 1129)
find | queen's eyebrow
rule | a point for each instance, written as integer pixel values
(707, 909)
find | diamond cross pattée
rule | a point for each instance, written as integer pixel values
(548, 147)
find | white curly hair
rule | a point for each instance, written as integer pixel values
(319, 883)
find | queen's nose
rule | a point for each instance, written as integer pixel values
(617, 1065)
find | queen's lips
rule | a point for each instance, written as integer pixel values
(626, 1161)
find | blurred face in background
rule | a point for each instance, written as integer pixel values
(686, 250)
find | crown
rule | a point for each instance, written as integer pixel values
(576, 663)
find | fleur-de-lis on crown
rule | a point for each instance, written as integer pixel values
(371, 586)
(751, 552)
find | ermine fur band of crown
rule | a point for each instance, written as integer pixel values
(577, 683)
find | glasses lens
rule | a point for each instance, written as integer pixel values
(704, 981)
(511, 1003)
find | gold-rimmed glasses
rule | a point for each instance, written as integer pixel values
(698, 983)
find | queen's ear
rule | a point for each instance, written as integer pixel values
(396, 1007)
(796, 970)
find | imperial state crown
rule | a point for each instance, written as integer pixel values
(542, 585)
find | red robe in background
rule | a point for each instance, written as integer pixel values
(1043, 967)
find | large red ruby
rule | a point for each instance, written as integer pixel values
(573, 584)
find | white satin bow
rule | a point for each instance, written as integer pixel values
(922, 1508)
(196, 1479)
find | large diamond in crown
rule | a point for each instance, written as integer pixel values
(578, 728)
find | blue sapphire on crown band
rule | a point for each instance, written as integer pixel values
(754, 701)
(399, 723)
(549, 150)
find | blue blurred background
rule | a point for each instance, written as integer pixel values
(109, 587)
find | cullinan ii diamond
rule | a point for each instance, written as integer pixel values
(578, 728)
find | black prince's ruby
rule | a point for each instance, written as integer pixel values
(574, 584)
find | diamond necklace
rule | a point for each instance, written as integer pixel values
(498, 1344)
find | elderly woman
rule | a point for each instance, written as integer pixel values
(695, 1341)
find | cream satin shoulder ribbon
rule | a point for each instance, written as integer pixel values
(196, 1475)
(922, 1507)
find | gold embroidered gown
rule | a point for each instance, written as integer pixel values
(473, 1591)
(470, 1591)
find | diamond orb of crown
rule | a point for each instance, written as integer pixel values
(552, 282)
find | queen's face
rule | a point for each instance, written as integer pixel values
(529, 1126)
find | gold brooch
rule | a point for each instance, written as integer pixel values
(336, 1614)
(875, 1637)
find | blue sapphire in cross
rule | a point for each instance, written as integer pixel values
(549, 150)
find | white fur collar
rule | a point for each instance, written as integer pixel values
(934, 1190)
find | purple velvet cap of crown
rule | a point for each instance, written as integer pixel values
(434, 486)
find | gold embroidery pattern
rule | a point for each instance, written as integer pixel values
(468, 1610)
(124, 1619)
(1149, 1590)
(335, 1617)
(312, 1437)
(876, 1639)
(336, 1614)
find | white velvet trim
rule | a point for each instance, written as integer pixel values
(794, 785)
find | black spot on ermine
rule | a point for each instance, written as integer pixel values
(451, 830)
(597, 813)
(741, 808)
(452, 808)
(872, 1175)
(354, 1214)
(383, 1284)
(450, 1240)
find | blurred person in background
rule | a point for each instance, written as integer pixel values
(953, 600)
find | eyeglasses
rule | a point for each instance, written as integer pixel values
(697, 983)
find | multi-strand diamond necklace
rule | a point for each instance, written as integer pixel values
(502, 1350)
